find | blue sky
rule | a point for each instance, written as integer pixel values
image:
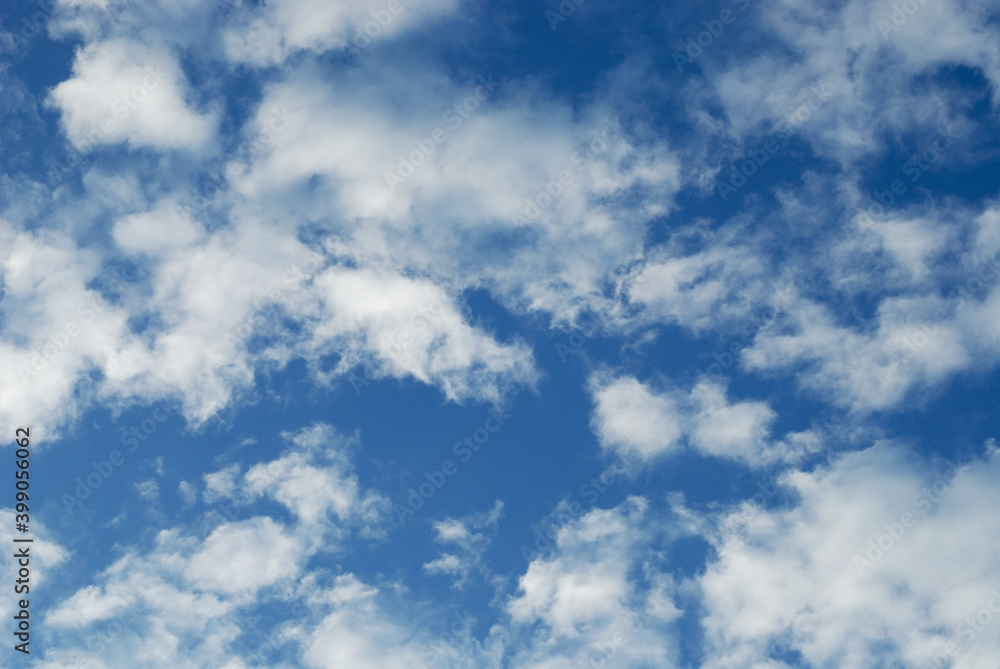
(528, 335)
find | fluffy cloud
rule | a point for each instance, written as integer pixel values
(57, 325)
(157, 612)
(159, 231)
(882, 559)
(207, 298)
(314, 478)
(123, 91)
(274, 199)
(721, 282)
(412, 328)
(846, 85)
(46, 556)
(244, 557)
(630, 416)
(216, 301)
(914, 343)
(633, 418)
(236, 566)
(591, 608)
(469, 537)
(496, 164)
(269, 34)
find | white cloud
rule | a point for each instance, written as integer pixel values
(629, 416)
(413, 328)
(54, 328)
(737, 430)
(222, 484)
(188, 492)
(632, 418)
(45, 555)
(148, 489)
(470, 536)
(791, 577)
(223, 576)
(315, 478)
(268, 34)
(914, 243)
(123, 91)
(354, 638)
(915, 343)
(585, 596)
(162, 230)
(706, 289)
(206, 298)
(244, 557)
(148, 607)
(87, 605)
(866, 76)
(477, 180)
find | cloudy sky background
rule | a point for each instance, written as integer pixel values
(532, 335)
